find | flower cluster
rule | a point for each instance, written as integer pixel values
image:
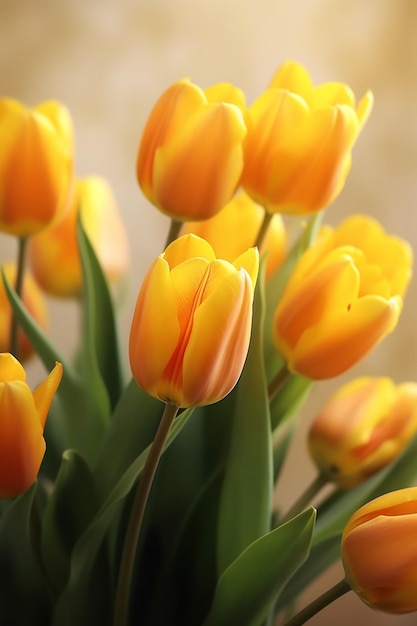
(150, 497)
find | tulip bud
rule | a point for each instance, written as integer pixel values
(54, 255)
(299, 141)
(343, 297)
(379, 552)
(191, 326)
(34, 303)
(364, 426)
(22, 420)
(36, 165)
(235, 229)
(191, 157)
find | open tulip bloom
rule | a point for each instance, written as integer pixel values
(147, 490)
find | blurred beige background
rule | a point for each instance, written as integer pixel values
(108, 61)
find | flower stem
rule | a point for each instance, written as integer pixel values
(174, 231)
(277, 382)
(319, 603)
(263, 229)
(121, 612)
(305, 498)
(14, 328)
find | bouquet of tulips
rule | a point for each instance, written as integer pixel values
(145, 494)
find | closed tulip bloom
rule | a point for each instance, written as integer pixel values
(191, 326)
(191, 157)
(344, 295)
(34, 302)
(299, 141)
(364, 426)
(235, 228)
(53, 254)
(23, 415)
(379, 552)
(36, 165)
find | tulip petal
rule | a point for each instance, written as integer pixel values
(323, 297)
(44, 393)
(326, 350)
(187, 247)
(316, 169)
(385, 574)
(175, 105)
(226, 92)
(293, 77)
(10, 369)
(22, 445)
(155, 328)
(219, 341)
(249, 260)
(196, 173)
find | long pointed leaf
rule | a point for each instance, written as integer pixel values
(245, 508)
(248, 588)
(100, 354)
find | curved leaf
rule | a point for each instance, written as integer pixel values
(71, 605)
(249, 587)
(100, 354)
(246, 499)
(69, 510)
(81, 409)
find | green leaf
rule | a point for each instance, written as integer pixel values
(320, 558)
(100, 354)
(246, 499)
(188, 576)
(336, 511)
(249, 587)
(23, 591)
(132, 427)
(75, 605)
(81, 409)
(69, 510)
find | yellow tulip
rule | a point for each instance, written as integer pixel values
(36, 165)
(191, 157)
(191, 326)
(235, 228)
(363, 427)
(32, 299)
(54, 255)
(299, 141)
(22, 420)
(379, 552)
(344, 295)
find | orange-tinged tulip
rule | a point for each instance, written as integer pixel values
(344, 295)
(299, 141)
(54, 255)
(235, 228)
(379, 552)
(191, 157)
(364, 426)
(34, 303)
(36, 165)
(191, 326)
(22, 420)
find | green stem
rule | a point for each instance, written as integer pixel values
(319, 603)
(305, 498)
(14, 328)
(121, 612)
(174, 231)
(277, 382)
(263, 229)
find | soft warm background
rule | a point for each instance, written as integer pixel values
(108, 61)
